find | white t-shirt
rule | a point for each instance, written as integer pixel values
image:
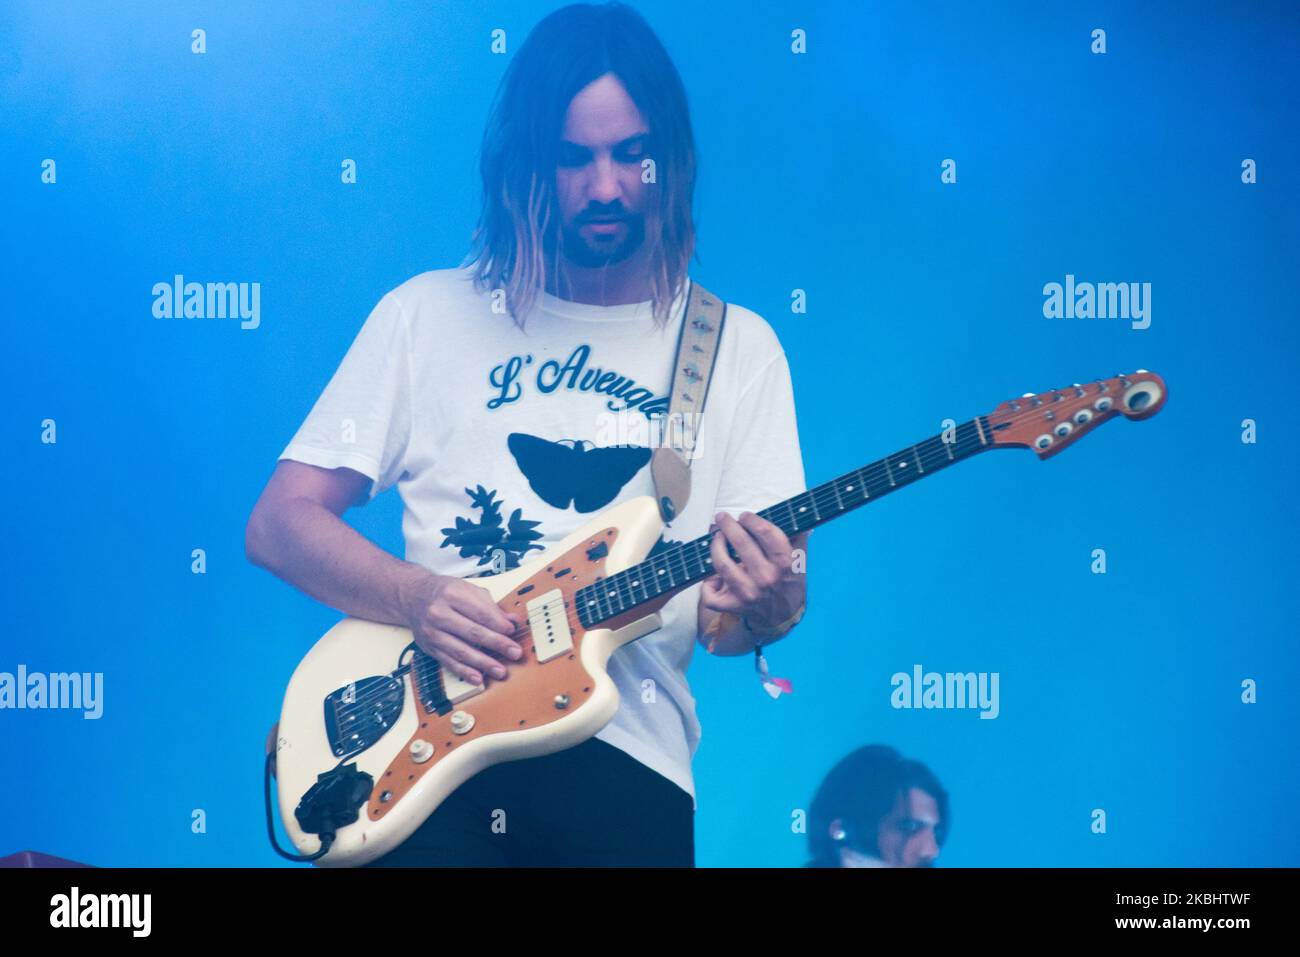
(503, 441)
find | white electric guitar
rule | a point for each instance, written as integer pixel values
(374, 735)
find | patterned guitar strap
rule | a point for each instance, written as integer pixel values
(670, 466)
(697, 351)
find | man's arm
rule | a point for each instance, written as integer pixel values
(296, 532)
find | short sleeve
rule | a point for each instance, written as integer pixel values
(362, 420)
(763, 462)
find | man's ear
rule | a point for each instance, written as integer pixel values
(836, 831)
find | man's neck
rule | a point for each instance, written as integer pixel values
(616, 284)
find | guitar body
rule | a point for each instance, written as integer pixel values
(556, 696)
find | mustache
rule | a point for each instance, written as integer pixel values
(595, 215)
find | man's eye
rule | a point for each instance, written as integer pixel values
(632, 153)
(572, 156)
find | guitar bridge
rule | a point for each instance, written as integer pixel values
(359, 714)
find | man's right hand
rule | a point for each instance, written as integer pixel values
(296, 531)
(457, 623)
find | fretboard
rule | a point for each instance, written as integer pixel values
(689, 562)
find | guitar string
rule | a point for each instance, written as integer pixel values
(822, 495)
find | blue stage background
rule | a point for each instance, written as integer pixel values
(820, 172)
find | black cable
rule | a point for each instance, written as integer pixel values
(326, 838)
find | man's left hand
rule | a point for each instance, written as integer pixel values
(764, 587)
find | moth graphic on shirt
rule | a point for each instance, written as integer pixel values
(491, 540)
(575, 471)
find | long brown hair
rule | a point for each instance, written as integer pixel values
(517, 238)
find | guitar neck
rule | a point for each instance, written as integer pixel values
(689, 562)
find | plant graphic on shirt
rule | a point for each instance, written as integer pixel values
(488, 536)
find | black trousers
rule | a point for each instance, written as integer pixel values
(589, 806)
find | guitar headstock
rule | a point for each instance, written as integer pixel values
(1050, 421)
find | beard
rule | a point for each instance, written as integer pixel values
(599, 250)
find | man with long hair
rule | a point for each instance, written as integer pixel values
(503, 398)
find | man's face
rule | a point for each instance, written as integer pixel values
(906, 834)
(598, 178)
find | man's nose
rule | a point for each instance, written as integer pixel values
(604, 187)
(929, 846)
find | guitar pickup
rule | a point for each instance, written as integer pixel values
(548, 621)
